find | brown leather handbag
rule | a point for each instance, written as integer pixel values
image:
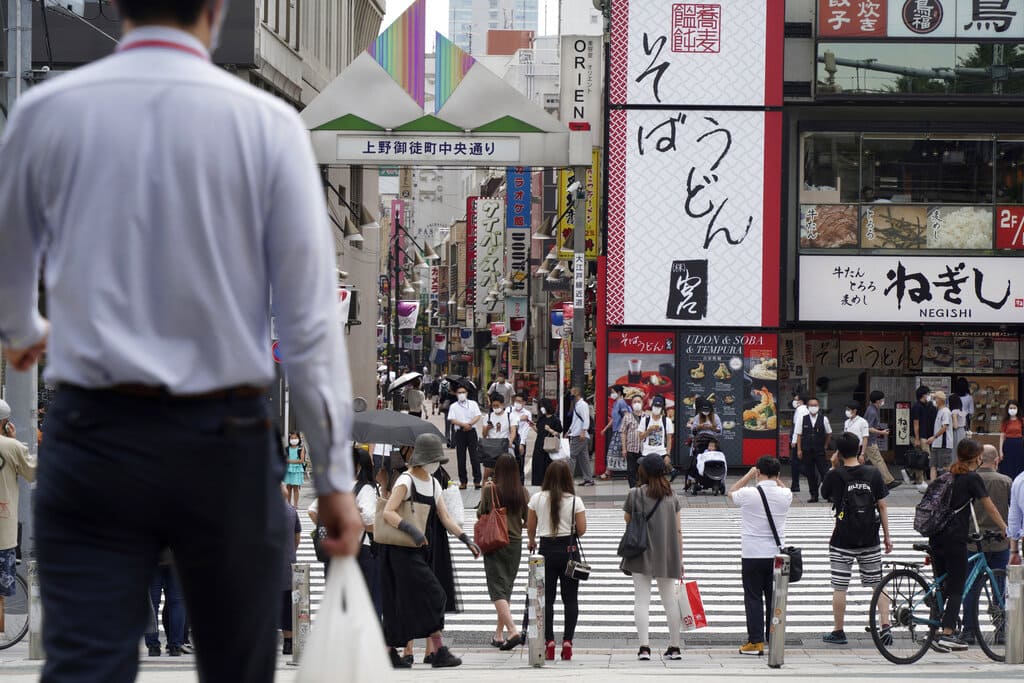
(491, 529)
(415, 513)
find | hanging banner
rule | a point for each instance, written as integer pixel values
(381, 337)
(471, 252)
(406, 340)
(517, 197)
(902, 423)
(792, 364)
(440, 341)
(466, 337)
(417, 343)
(497, 330)
(516, 306)
(518, 240)
(564, 230)
(408, 312)
(490, 251)
(517, 327)
(581, 94)
(557, 323)
(344, 304)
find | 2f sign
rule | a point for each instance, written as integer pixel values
(581, 82)
(1010, 227)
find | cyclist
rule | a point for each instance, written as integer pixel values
(949, 548)
(857, 493)
(15, 461)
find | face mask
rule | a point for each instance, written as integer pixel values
(496, 409)
(813, 410)
(543, 411)
(462, 398)
(519, 406)
(656, 410)
(881, 403)
(614, 396)
(849, 414)
(294, 442)
(637, 407)
(1012, 412)
(432, 467)
(796, 404)
(704, 413)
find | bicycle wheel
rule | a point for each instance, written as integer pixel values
(910, 618)
(15, 614)
(990, 614)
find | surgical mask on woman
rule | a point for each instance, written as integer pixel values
(462, 398)
(638, 406)
(796, 403)
(813, 410)
(519, 406)
(1011, 411)
(431, 468)
(614, 395)
(656, 410)
(294, 442)
(849, 414)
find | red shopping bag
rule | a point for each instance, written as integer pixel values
(691, 607)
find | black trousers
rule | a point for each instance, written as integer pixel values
(758, 584)
(121, 477)
(815, 466)
(632, 467)
(556, 556)
(795, 468)
(466, 443)
(950, 558)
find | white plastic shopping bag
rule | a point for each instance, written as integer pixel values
(691, 607)
(345, 642)
(563, 452)
(453, 501)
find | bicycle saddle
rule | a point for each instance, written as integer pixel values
(923, 547)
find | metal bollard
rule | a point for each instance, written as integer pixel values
(535, 611)
(777, 630)
(1014, 615)
(300, 610)
(35, 614)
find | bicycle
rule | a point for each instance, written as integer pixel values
(915, 611)
(15, 613)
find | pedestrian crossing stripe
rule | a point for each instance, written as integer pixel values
(711, 555)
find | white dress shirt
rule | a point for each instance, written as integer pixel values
(167, 198)
(756, 538)
(463, 412)
(522, 425)
(798, 421)
(580, 419)
(858, 426)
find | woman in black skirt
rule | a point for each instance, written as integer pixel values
(547, 424)
(414, 600)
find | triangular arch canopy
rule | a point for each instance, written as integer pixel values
(373, 112)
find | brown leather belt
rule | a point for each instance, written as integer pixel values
(150, 391)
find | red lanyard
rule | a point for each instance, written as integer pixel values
(167, 44)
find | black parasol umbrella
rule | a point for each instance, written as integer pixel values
(463, 382)
(387, 426)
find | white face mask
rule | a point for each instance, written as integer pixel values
(614, 396)
(849, 414)
(656, 410)
(796, 403)
(431, 468)
(813, 410)
(1012, 412)
(519, 406)
(881, 403)
(637, 407)
(462, 398)
(704, 413)
(294, 442)
(543, 411)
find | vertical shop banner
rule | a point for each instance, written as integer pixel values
(557, 323)
(466, 337)
(517, 328)
(644, 363)
(738, 374)
(694, 194)
(470, 278)
(792, 364)
(490, 251)
(417, 343)
(726, 53)
(564, 230)
(398, 218)
(518, 222)
(408, 312)
(581, 93)
(902, 423)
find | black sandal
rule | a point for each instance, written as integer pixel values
(513, 642)
(498, 643)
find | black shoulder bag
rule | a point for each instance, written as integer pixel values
(577, 569)
(796, 557)
(636, 538)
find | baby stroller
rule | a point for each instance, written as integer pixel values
(714, 467)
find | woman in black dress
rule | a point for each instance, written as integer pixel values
(547, 424)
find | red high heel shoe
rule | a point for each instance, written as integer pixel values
(549, 651)
(566, 650)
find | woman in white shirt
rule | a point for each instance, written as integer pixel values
(558, 525)
(499, 434)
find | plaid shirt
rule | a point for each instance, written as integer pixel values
(629, 430)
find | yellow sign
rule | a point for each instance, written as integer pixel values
(565, 228)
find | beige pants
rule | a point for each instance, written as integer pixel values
(874, 457)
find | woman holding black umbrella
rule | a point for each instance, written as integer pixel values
(547, 425)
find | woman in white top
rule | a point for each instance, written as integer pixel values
(558, 525)
(413, 597)
(499, 434)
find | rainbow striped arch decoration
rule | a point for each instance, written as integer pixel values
(400, 48)
(452, 65)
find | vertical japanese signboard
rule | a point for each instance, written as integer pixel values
(582, 59)
(470, 278)
(490, 251)
(518, 220)
(693, 218)
(564, 231)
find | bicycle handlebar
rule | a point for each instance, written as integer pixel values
(986, 536)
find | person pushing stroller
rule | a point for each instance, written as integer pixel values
(708, 469)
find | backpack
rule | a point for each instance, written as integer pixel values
(636, 538)
(935, 511)
(857, 519)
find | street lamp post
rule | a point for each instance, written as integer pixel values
(428, 255)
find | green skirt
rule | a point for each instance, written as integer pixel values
(501, 568)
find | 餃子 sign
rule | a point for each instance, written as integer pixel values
(693, 182)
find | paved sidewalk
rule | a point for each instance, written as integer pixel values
(600, 665)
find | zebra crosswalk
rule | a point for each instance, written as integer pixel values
(711, 549)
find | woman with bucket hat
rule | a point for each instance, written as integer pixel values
(413, 598)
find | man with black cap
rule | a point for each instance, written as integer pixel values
(15, 461)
